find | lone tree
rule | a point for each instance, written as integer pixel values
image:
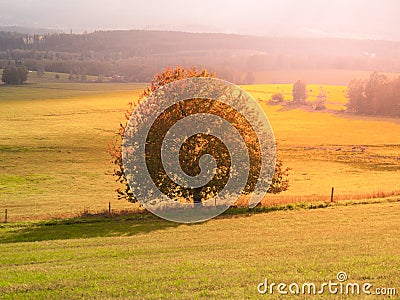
(193, 148)
(277, 98)
(321, 100)
(299, 92)
(15, 75)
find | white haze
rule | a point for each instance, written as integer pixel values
(370, 19)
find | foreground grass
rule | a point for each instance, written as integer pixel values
(148, 258)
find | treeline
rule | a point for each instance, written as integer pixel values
(139, 43)
(137, 54)
(378, 95)
(133, 69)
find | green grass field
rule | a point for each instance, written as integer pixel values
(54, 137)
(53, 146)
(144, 257)
(53, 164)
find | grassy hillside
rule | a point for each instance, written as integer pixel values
(223, 258)
(54, 136)
(53, 163)
(53, 146)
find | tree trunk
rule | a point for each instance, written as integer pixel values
(197, 195)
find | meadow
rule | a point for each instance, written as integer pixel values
(357, 155)
(143, 257)
(54, 172)
(54, 138)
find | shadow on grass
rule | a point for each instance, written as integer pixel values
(91, 226)
(139, 223)
(80, 228)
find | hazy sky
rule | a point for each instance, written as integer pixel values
(344, 18)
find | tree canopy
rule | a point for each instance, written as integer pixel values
(376, 96)
(193, 148)
(15, 75)
(299, 92)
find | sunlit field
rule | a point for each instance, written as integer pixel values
(53, 164)
(335, 95)
(358, 156)
(225, 258)
(54, 137)
(325, 73)
(53, 147)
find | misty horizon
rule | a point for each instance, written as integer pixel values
(321, 19)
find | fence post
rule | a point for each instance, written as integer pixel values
(332, 194)
(5, 216)
(109, 209)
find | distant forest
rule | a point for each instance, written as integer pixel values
(136, 55)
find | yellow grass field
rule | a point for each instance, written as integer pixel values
(53, 142)
(335, 95)
(344, 143)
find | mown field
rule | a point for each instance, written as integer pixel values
(225, 258)
(53, 164)
(54, 137)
